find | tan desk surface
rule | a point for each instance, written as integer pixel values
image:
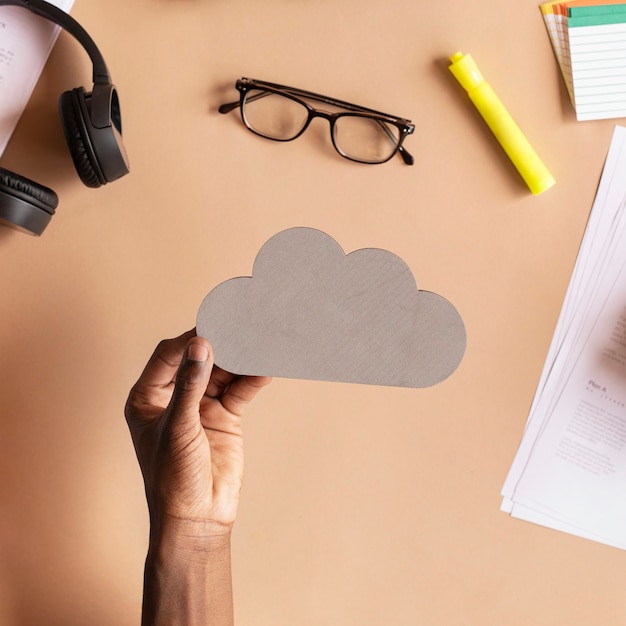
(365, 506)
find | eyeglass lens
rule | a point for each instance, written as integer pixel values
(357, 137)
(365, 138)
(273, 115)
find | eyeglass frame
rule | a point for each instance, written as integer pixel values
(244, 85)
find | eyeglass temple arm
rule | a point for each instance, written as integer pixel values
(406, 157)
(231, 106)
(228, 107)
(327, 100)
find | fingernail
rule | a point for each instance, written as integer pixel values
(197, 352)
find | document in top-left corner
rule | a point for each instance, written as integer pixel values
(25, 44)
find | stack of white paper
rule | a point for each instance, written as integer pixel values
(570, 470)
(25, 44)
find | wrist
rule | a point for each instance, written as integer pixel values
(187, 577)
(188, 539)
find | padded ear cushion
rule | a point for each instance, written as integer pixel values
(28, 191)
(24, 204)
(78, 141)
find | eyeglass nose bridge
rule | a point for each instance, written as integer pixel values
(313, 113)
(329, 117)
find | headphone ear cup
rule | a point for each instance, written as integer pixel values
(78, 141)
(25, 204)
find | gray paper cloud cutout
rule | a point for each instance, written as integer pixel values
(311, 311)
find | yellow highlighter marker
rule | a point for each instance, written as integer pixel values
(503, 126)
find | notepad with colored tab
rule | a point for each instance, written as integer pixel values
(589, 41)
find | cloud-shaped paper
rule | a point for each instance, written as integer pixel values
(311, 311)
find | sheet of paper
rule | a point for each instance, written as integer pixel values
(570, 468)
(578, 465)
(602, 220)
(25, 44)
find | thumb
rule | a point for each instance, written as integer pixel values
(191, 380)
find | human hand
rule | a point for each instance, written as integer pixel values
(184, 416)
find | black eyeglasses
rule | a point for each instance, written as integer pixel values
(278, 112)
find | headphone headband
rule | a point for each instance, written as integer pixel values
(68, 23)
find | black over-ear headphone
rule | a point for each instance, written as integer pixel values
(93, 129)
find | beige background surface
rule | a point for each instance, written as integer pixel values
(365, 506)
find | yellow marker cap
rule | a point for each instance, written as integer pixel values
(503, 126)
